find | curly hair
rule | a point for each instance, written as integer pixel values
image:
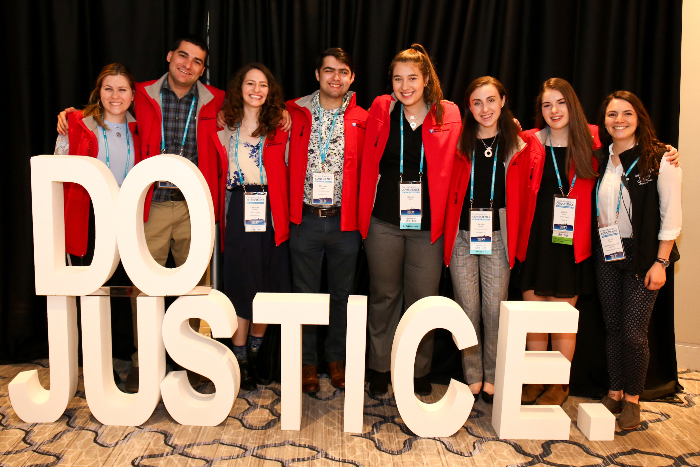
(93, 108)
(271, 111)
(644, 135)
(507, 128)
(433, 92)
(580, 147)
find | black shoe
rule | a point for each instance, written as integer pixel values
(247, 383)
(379, 384)
(486, 397)
(422, 386)
(254, 368)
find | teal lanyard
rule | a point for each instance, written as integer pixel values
(619, 196)
(493, 177)
(238, 166)
(187, 126)
(551, 149)
(422, 152)
(128, 149)
(323, 149)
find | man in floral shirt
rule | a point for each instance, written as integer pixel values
(325, 150)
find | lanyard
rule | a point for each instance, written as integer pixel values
(323, 149)
(187, 126)
(619, 196)
(551, 149)
(238, 166)
(422, 152)
(493, 178)
(128, 149)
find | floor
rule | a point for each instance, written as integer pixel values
(251, 436)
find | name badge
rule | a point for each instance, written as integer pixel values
(410, 205)
(480, 231)
(611, 241)
(255, 212)
(166, 185)
(563, 220)
(322, 189)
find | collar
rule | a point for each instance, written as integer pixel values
(194, 90)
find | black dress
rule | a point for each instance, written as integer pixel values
(550, 268)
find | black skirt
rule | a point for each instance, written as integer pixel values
(252, 261)
(550, 269)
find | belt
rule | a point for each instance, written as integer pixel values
(322, 212)
(176, 195)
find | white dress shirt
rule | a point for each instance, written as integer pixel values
(668, 186)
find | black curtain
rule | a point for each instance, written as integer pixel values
(58, 47)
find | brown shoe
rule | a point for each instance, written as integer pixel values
(611, 404)
(337, 370)
(555, 394)
(530, 393)
(309, 379)
(630, 417)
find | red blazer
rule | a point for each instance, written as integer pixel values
(440, 143)
(354, 121)
(149, 117)
(277, 179)
(82, 141)
(526, 182)
(461, 173)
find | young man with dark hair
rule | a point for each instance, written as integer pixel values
(184, 110)
(325, 150)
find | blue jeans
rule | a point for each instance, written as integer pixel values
(309, 242)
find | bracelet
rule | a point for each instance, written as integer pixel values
(664, 262)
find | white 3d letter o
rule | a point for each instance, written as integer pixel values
(445, 417)
(150, 277)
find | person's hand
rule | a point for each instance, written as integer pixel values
(285, 123)
(220, 121)
(656, 277)
(62, 126)
(517, 123)
(672, 156)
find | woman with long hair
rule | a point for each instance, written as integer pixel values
(106, 130)
(638, 213)
(256, 209)
(407, 162)
(556, 178)
(475, 222)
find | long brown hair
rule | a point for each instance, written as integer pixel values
(508, 130)
(271, 111)
(94, 106)
(644, 135)
(580, 145)
(433, 92)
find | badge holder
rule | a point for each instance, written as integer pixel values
(611, 241)
(255, 211)
(563, 220)
(322, 189)
(480, 231)
(410, 205)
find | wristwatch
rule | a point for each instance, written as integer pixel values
(664, 262)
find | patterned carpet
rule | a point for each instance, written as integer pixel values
(668, 436)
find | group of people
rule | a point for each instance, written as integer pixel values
(317, 178)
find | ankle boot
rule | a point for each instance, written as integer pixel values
(530, 393)
(555, 394)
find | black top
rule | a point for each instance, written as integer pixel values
(483, 170)
(386, 206)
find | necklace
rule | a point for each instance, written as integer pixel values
(411, 120)
(551, 141)
(488, 152)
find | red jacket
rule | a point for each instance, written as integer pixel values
(525, 181)
(82, 141)
(149, 117)
(461, 173)
(440, 143)
(277, 178)
(354, 121)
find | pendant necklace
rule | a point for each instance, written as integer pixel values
(488, 150)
